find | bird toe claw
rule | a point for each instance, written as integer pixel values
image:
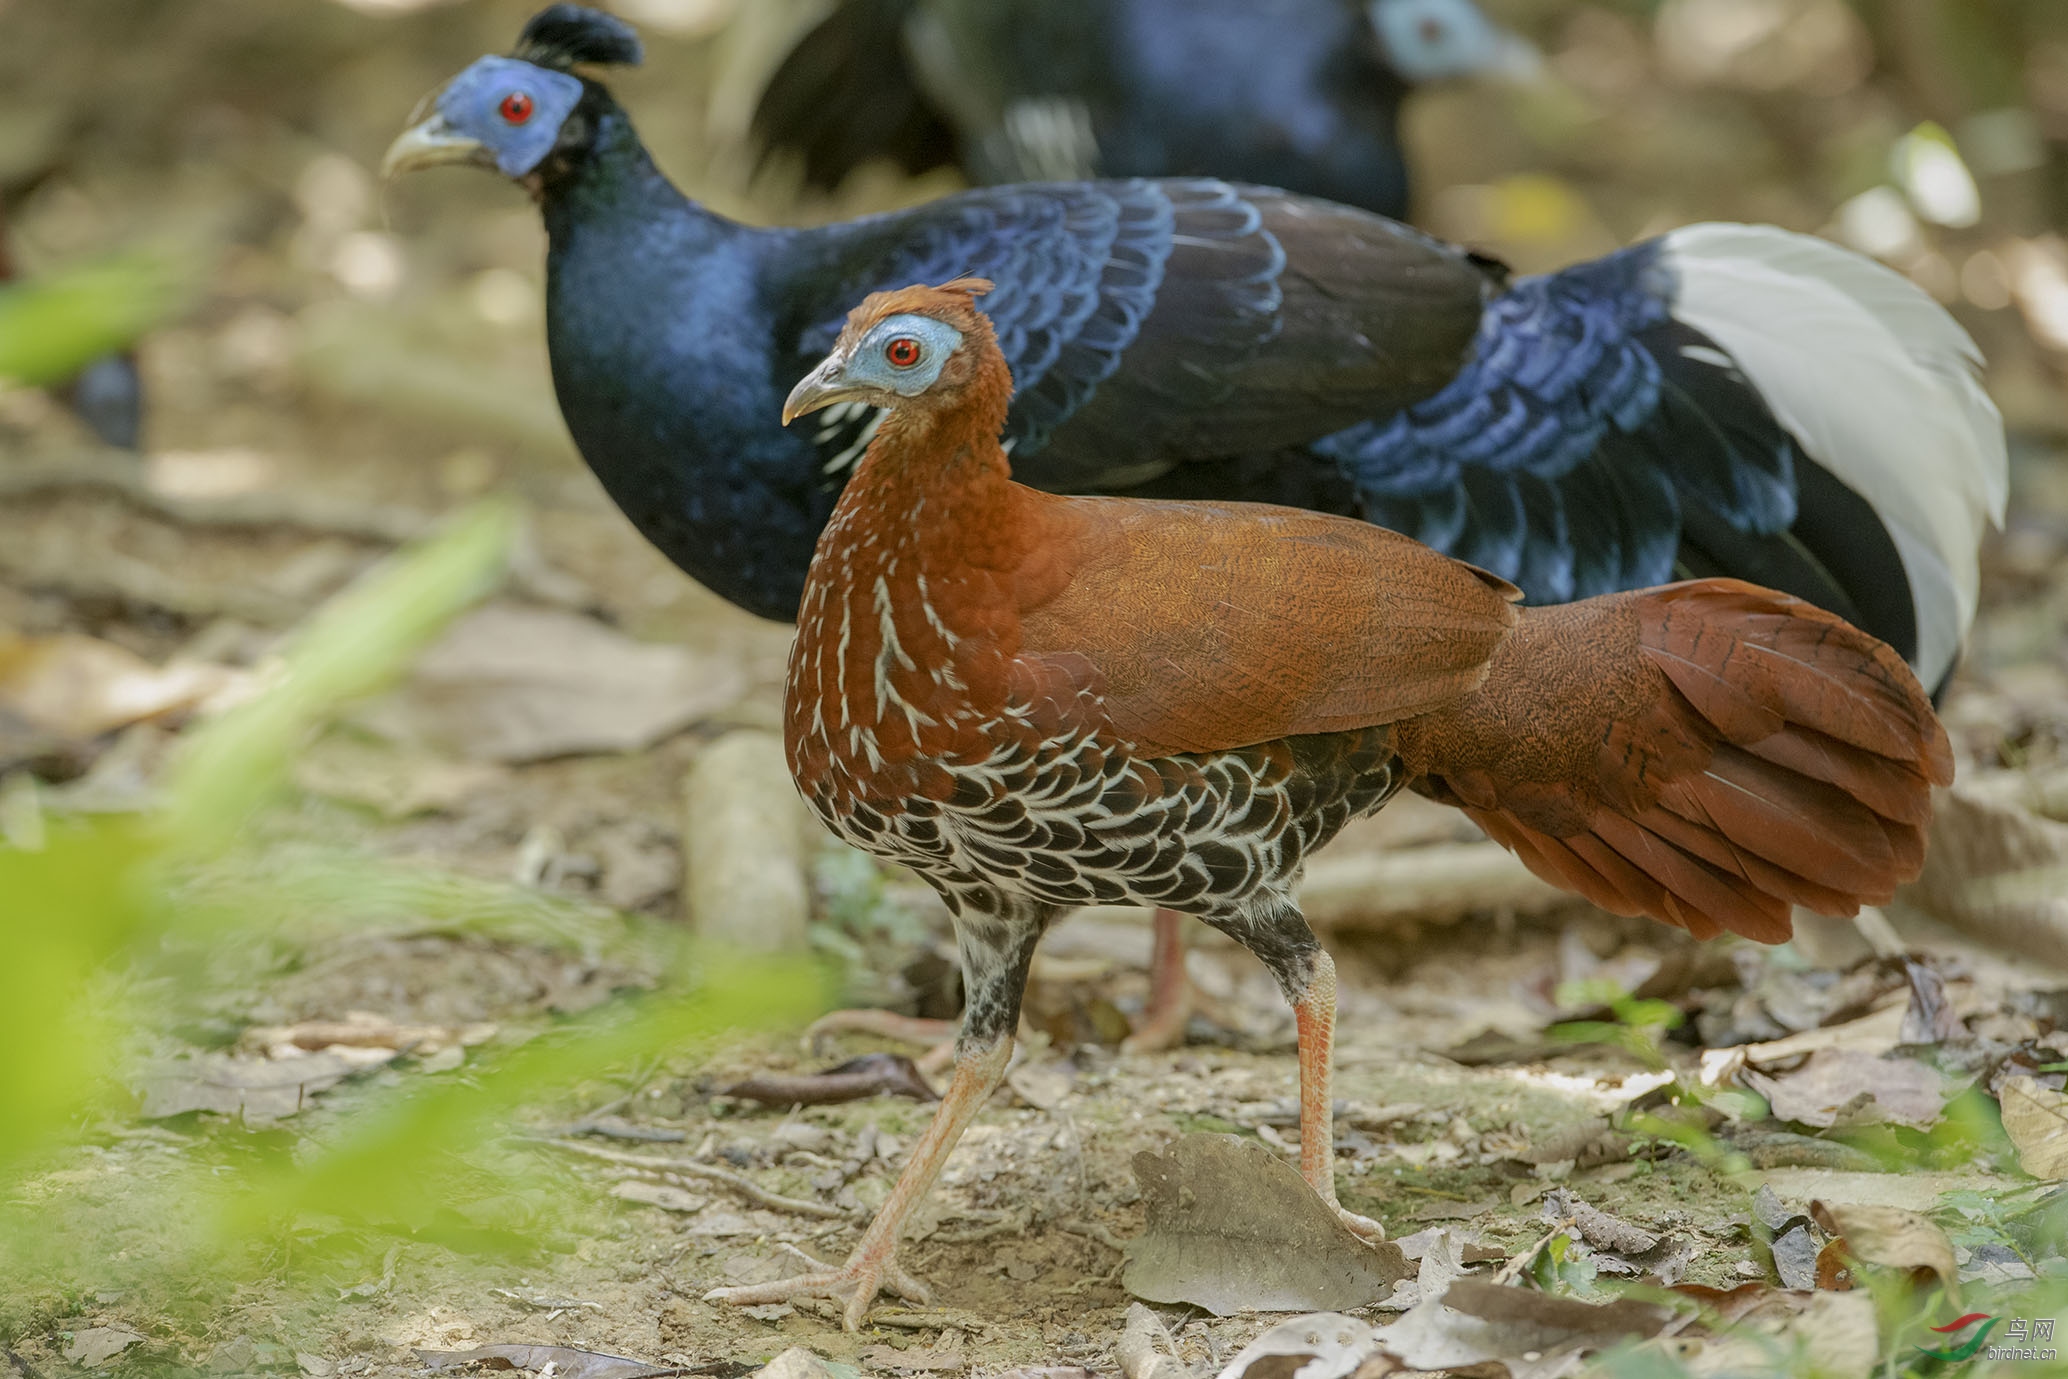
(1361, 1226)
(855, 1283)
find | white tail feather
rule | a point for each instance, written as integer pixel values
(1877, 383)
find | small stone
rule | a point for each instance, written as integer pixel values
(795, 1363)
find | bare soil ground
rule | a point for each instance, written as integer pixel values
(361, 359)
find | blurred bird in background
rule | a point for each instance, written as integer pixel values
(1300, 94)
(1038, 702)
(108, 394)
(1723, 400)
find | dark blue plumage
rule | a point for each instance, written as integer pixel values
(108, 394)
(1301, 94)
(1575, 433)
(1576, 411)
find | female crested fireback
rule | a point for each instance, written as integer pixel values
(1038, 702)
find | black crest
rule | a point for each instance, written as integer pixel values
(559, 36)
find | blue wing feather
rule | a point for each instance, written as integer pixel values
(1587, 427)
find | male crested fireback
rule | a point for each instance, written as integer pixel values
(1038, 702)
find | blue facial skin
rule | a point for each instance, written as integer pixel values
(473, 102)
(1438, 40)
(869, 367)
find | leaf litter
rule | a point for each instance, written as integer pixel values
(1547, 1163)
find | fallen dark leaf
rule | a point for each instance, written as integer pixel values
(260, 1089)
(1795, 1258)
(1597, 1227)
(567, 1363)
(1891, 1237)
(1234, 1228)
(93, 1346)
(1501, 1303)
(1767, 1148)
(873, 1074)
(1834, 1268)
(1526, 1333)
(1929, 1019)
(1726, 1305)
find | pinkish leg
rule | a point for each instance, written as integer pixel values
(1170, 990)
(1316, 1016)
(873, 1266)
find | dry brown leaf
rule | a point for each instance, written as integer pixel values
(515, 684)
(1995, 868)
(2035, 1116)
(1892, 1238)
(259, 1089)
(94, 1346)
(1855, 1086)
(1534, 1335)
(1875, 1033)
(1234, 1228)
(376, 1036)
(396, 784)
(1832, 1334)
(1916, 1191)
(80, 687)
(1321, 1345)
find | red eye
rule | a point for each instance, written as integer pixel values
(902, 352)
(516, 107)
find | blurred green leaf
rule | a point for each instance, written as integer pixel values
(53, 326)
(397, 1164)
(357, 643)
(95, 891)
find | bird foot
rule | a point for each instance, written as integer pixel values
(1363, 1227)
(1163, 1025)
(856, 1283)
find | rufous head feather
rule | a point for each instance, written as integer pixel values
(914, 349)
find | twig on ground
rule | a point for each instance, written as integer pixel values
(624, 1130)
(1014, 1223)
(1092, 1230)
(545, 1304)
(933, 1320)
(1512, 1270)
(689, 1168)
